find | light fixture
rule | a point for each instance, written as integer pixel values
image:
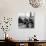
(35, 3)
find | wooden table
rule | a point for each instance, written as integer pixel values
(27, 42)
(30, 43)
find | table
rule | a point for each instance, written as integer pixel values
(27, 42)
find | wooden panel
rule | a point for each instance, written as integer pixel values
(25, 44)
(17, 44)
(44, 44)
(40, 44)
(35, 44)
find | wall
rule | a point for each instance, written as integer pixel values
(11, 8)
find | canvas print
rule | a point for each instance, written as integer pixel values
(26, 21)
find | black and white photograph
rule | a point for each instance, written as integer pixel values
(26, 21)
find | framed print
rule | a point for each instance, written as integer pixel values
(26, 21)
